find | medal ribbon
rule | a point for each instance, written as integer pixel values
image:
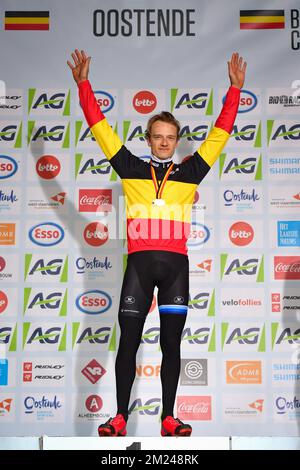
(160, 187)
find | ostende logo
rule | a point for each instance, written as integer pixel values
(93, 302)
(8, 167)
(46, 234)
(48, 167)
(96, 234)
(247, 372)
(144, 102)
(105, 100)
(241, 233)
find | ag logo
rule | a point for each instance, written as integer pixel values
(44, 338)
(243, 270)
(252, 338)
(51, 268)
(51, 102)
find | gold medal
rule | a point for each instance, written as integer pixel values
(158, 202)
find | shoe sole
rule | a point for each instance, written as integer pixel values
(104, 433)
(183, 432)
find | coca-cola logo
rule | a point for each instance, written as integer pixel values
(287, 267)
(48, 167)
(241, 233)
(144, 102)
(95, 200)
(95, 234)
(194, 408)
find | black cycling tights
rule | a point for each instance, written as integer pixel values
(168, 271)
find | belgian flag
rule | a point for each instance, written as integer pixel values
(27, 20)
(261, 19)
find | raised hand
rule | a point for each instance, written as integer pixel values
(237, 70)
(80, 70)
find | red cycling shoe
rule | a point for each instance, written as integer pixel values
(114, 427)
(174, 427)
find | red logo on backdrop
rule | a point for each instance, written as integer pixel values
(2, 264)
(194, 408)
(297, 196)
(241, 234)
(95, 234)
(257, 405)
(275, 298)
(287, 267)
(27, 371)
(48, 167)
(6, 404)
(196, 198)
(3, 301)
(95, 200)
(60, 198)
(144, 102)
(93, 371)
(206, 265)
(93, 403)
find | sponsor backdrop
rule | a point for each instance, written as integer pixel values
(62, 246)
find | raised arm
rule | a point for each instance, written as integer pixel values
(108, 140)
(218, 136)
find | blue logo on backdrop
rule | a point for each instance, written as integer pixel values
(288, 232)
(8, 167)
(3, 371)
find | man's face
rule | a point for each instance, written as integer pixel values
(163, 139)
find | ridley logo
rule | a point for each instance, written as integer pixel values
(144, 102)
(287, 267)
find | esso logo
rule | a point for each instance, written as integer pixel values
(95, 234)
(199, 235)
(2, 264)
(46, 234)
(48, 167)
(3, 301)
(94, 403)
(8, 167)
(105, 100)
(144, 102)
(93, 302)
(241, 233)
(248, 101)
(196, 198)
